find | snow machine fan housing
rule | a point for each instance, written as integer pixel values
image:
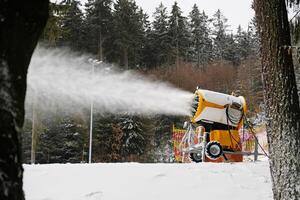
(213, 109)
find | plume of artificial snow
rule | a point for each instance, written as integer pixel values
(59, 79)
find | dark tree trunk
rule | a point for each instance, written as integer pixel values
(125, 57)
(281, 98)
(21, 23)
(100, 46)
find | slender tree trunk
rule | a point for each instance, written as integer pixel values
(125, 57)
(177, 54)
(198, 59)
(21, 23)
(34, 131)
(281, 98)
(100, 46)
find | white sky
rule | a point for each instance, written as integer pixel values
(236, 11)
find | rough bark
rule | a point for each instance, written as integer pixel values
(281, 98)
(21, 23)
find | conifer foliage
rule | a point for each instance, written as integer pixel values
(178, 35)
(97, 27)
(71, 26)
(120, 32)
(159, 36)
(133, 139)
(61, 141)
(201, 43)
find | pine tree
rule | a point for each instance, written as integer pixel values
(230, 50)
(62, 141)
(243, 43)
(72, 26)
(133, 139)
(105, 145)
(201, 45)
(147, 52)
(219, 32)
(163, 139)
(140, 44)
(254, 42)
(247, 42)
(196, 35)
(159, 37)
(98, 27)
(178, 35)
(127, 27)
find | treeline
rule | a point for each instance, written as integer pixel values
(187, 51)
(120, 32)
(64, 138)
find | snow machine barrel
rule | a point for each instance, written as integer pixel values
(217, 109)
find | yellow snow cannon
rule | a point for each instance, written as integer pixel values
(218, 109)
(213, 131)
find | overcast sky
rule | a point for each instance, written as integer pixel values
(236, 11)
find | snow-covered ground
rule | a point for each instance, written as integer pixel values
(133, 181)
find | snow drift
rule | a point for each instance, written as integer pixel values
(132, 181)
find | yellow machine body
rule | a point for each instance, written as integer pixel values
(226, 140)
(215, 113)
(229, 142)
(211, 107)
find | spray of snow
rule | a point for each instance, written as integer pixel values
(61, 80)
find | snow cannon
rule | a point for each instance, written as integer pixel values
(213, 131)
(213, 109)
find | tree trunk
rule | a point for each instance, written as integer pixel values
(281, 98)
(125, 57)
(21, 23)
(100, 46)
(34, 131)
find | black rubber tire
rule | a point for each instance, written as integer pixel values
(196, 157)
(213, 150)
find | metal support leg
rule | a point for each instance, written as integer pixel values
(206, 134)
(255, 149)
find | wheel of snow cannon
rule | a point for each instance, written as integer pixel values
(213, 150)
(196, 157)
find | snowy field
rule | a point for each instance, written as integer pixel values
(133, 181)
